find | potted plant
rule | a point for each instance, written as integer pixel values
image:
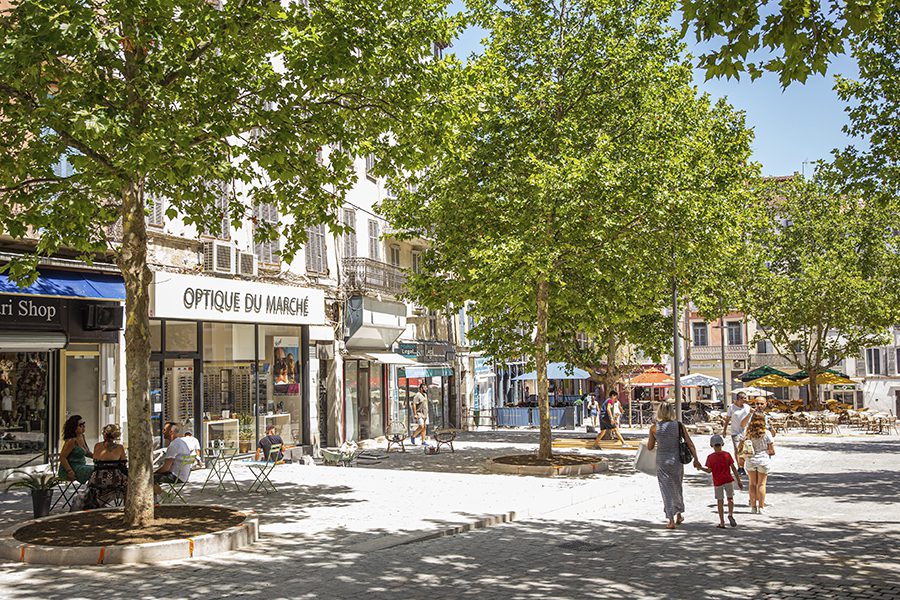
(41, 486)
(245, 433)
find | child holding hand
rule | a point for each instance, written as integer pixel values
(721, 465)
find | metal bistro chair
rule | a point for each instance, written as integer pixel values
(262, 470)
(68, 490)
(172, 490)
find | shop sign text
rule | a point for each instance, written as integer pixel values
(29, 310)
(223, 301)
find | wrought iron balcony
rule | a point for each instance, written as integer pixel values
(368, 276)
(715, 352)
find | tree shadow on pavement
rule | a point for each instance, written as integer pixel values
(526, 560)
(847, 486)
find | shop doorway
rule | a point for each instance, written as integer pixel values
(82, 391)
(174, 393)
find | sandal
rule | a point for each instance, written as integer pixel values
(720, 526)
(731, 521)
(679, 520)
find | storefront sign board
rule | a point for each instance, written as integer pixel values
(195, 297)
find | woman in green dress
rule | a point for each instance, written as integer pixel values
(72, 466)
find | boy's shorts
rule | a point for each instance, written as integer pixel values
(726, 489)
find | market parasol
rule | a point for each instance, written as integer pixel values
(762, 371)
(829, 377)
(651, 379)
(752, 391)
(557, 370)
(774, 381)
(700, 380)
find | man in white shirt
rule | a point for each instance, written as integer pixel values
(172, 468)
(194, 444)
(420, 412)
(733, 419)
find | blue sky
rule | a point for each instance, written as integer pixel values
(802, 123)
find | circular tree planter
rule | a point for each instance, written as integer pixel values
(559, 464)
(99, 537)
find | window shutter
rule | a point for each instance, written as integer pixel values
(349, 238)
(269, 250)
(374, 235)
(156, 211)
(861, 364)
(891, 355)
(315, 249)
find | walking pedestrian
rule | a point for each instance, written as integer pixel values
(610, 412)
(721, 465)
(758, 465)
(420, 410)
(668, 432)
(734, 418)
(594, 408)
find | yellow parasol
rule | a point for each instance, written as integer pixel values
(775, 381)
(826, 378)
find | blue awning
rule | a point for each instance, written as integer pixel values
(557, 370)
(69, 284)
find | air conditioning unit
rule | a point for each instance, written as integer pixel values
(246, 264)
(218, 257)
(740, 364)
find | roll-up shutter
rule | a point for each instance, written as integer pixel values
(32, 341)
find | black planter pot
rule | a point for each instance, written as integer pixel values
(41, 499)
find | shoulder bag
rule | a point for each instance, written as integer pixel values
(684, 450)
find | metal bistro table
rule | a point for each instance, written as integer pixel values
(219, 462)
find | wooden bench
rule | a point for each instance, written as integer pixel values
(445, 437)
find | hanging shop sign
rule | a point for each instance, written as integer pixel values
(195, 297)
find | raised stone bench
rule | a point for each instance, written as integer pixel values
(594, 465)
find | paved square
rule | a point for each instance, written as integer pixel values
(833, 530)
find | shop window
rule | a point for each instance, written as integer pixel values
(351, 399)
(229, 384)
(181, 336)
(280, 381)
(24, 403)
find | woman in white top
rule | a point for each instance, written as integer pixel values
(758, 465)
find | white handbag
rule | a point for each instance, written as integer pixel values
(645, 461)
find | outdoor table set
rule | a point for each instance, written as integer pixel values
(218, 461)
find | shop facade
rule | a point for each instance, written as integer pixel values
(372, 325)
(60, 341)
(230, 357)
(433, 368)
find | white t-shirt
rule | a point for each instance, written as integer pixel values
(192, 442)
(176, 450)
(737, 414)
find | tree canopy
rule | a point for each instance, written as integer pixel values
(583, 165)
(188, 101)
(819, 273)
(793, 39)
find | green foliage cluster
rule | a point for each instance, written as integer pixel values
(794, 39)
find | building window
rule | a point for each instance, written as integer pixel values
(348, 219)
(395, 256)
(764, 347)
(437, 51)
(416, 261)
(223, 204)
(374, 240)
(156, 211)
(700, 334)
(268, 251)
(316, 251)
(370, 166)
(897, 363)
(873, 362)
(735, 333)
(64, 167)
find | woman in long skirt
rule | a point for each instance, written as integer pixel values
(665, 435)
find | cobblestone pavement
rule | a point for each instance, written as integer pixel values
(832, 530)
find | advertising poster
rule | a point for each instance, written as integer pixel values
(286, 366)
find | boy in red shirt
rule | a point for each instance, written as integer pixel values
(722, 466)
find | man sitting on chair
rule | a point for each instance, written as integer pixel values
(172, 468)
(265, 444)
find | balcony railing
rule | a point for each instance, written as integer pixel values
(365, 275)
(715, 352)
(771, 360)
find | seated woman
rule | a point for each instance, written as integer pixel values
(72, 463)
(109, 481)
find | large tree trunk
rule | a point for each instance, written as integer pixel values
(133, 263)
(540, 356)
(612, 369)
(813, 389)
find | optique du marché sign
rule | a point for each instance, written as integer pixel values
(182, 296)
